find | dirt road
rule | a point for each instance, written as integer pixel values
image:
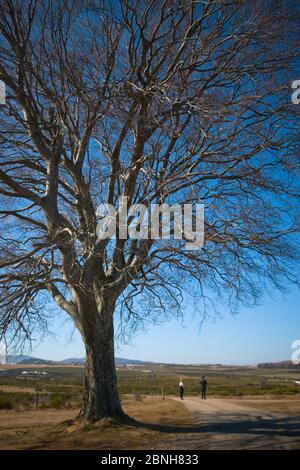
(230, 425)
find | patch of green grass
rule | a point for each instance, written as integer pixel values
(9, 401)
(59, 400)
(6, 403)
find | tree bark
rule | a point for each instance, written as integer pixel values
(100, 397)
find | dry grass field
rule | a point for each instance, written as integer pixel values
(246, 408)
(161, 424)
(53, 429)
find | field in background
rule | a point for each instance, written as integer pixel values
(23, 387)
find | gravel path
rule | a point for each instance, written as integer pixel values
(228, 425)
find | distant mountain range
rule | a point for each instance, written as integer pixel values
(80, 361)
(22, 359)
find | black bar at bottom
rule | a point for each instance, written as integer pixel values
(137, 458)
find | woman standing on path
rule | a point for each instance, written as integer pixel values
(181, 389)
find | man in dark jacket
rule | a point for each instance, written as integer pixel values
(203, 387)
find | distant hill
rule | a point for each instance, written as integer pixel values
(279, 365)
(22, 359)
(15, 359)
(73, 361)
(118, 361)
(121, 360)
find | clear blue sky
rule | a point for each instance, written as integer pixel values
(260, 334)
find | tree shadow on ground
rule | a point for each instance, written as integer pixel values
(283, 426)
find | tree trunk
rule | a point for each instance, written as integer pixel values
(101, 397)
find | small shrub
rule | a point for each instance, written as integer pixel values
(58, 400)
(6, 404)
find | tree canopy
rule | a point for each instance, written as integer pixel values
(161, 102)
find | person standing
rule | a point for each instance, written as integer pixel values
(203, 388)
(181, 389)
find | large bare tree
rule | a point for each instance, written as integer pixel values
(160, 101)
